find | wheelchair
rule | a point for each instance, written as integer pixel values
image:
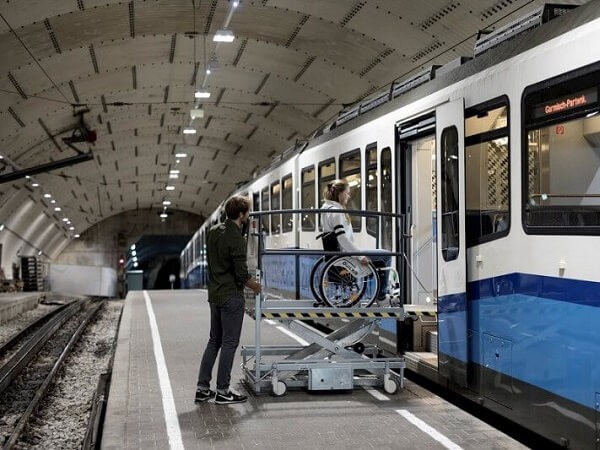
(344, 282)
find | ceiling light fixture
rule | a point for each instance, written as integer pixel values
(189, 130)
(164, 215)
(76, 236)
(180, 155)
(223, 36)
(196, 113)
(170, 188)
(166, 203)
(202, 94)
(174, 171)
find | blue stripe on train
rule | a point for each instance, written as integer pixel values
(552, 326)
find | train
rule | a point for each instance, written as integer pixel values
(492, 162)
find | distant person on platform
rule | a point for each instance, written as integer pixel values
(227, 276)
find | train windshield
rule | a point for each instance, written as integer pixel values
(562, 157)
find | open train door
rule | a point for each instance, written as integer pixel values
(451, 250)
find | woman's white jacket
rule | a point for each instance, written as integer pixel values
(338, 223)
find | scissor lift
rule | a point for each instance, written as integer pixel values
(329, 361)
(338, 360)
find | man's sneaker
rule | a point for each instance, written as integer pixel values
(203, 395)
(230, 397)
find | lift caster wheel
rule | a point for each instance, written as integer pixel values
(359, 347)
(279, 389)
(390, 386)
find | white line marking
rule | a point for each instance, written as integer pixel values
(387, 341)
(171, 420)
(288, 332)
(378, 395)
(429, 430)
(292, 335)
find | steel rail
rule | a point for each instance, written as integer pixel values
(41, 391)
(13, 367)
(4, 348)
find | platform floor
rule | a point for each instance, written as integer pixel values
(14, 303)
(151, 403)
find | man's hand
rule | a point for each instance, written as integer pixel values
(253, 285)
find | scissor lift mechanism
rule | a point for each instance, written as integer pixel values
(330, 361)
(337, 360)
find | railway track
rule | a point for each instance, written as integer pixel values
(30, 361)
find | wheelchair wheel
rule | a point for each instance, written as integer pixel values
(345, 283)
(315, 277)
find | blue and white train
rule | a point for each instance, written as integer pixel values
(494, 163)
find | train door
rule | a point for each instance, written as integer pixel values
(451, 249)
(417, 200)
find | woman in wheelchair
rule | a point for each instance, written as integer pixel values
(343, 281)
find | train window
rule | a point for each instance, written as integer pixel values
(275, 206)
(265, 219)
(386, 198)
(371, 186)
(256, 201)
(487, 172)
(561, 154)
(350, 170)
(308, 197)
(287, 197)
(449, 193)
(326, 174)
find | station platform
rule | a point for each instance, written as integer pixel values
(14, 303)
(151, 402)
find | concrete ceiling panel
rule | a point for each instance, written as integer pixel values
(34, 11)
(91, 26)
(331, 10)
(341, 46)
(33, 37)
(269, 58)
(265, 24)
(125, 53)
(333, 80)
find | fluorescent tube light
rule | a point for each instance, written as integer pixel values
(223, 36)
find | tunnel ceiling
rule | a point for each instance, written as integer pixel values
(135, 65)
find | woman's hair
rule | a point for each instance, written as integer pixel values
(236, 205)
(334, 189)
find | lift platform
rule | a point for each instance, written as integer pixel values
(335, 361)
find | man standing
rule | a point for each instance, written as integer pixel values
(227, 276)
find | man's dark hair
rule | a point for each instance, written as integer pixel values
(236, 205)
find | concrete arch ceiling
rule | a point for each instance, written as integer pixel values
(292, 66)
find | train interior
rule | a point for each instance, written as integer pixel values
(418, 337)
